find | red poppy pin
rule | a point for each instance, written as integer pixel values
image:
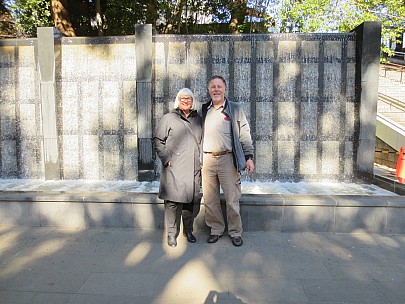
(227, 118)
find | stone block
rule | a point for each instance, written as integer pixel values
(286, 121)
(286, 150)
(19, 213)
(109, 215)
(159, 68)
(309, 80)
(30, 158)
(308, 127)
(70, 114)
(111, 109)
(264, 120)
(287, 51)
(361, 219)
(220, 58)
(8, 121)
(262, 218)
(91, 157)
(242, 69)
(285, 84)
(28, 83)
(330, 121)
(308, 157)
(263, 163)
(71, 157)
(330, 157)
(62, 214)
(264, 70)
(130, 157)
(9, 158)
(111, 157)
(308, 218)
(148, 216)
(7, 55)
(176, 67)
(395, 220)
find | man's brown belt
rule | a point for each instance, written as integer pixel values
(218, 153)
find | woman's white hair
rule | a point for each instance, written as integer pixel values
(182, 93)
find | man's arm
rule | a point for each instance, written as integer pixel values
(246, 140)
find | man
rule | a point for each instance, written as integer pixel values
(228, 149)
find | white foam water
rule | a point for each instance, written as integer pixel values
(248, 187)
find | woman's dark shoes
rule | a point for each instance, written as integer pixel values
(213, 238)
(190, 237)
(237, 241)
(171, 241)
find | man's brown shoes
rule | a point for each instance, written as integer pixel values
(237, 241)
(213, 238)
(171, 241)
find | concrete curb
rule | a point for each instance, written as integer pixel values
(260, 212)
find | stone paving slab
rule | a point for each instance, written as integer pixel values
(54, 265)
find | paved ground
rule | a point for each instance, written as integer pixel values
(47, 265)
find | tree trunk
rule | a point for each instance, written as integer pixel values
(238, 12)
(7, 24)
(60, 17)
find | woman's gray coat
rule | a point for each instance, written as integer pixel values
(174, 142)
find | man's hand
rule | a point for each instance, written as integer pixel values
(250, 166)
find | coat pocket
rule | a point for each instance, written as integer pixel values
(176, 154)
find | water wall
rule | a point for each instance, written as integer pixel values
(86, 108)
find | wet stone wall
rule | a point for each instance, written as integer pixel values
(298, 92)
(20, 117)
(96, 109)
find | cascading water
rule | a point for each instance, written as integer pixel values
(297, 91)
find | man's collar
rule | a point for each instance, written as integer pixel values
(211, 104)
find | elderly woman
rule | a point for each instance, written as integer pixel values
(177, 142)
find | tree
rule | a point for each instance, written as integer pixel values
(28, 15)
(243, 16)
(120, 16)
(7, 24)
(344, 16)
(117, 17)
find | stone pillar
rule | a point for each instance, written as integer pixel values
(143, 53)
(368, 41)
(46, 61)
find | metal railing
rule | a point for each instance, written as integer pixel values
(392, 101)
(393, 67)
(399, 54)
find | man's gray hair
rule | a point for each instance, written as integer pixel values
(182, 93)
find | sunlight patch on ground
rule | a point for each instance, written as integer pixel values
(195, 279)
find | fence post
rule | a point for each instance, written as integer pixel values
(46, 61)
(368, 40)
(143, 53)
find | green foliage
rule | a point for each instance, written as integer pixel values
(180, 16)
(30, 14)
(122, 15)
(344, 16)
